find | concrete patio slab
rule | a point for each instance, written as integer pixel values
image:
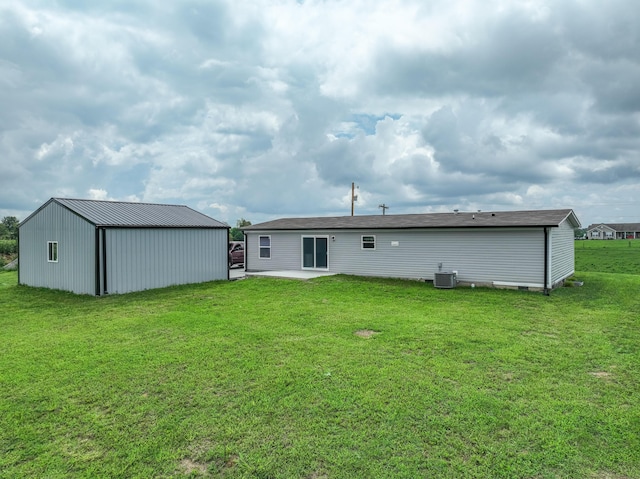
(236, 273)
(291, 274)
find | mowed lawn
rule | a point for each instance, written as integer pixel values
(608, 256)
(338, 377)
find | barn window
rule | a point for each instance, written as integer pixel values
(368, 242)
(265, 247)
(52, 251)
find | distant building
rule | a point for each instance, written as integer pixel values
(604, 231)
(100, 247)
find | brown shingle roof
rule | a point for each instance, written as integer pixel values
(497, 219)
(622, 227)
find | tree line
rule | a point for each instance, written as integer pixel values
(9, 228)
(235, 233)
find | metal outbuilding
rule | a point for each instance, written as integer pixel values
(105, 247)
(523, 249)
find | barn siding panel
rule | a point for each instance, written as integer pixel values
(139, 259)
(75, 269)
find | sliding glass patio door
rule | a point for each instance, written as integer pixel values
(315, 252)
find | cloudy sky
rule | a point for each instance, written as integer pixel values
(272, 108)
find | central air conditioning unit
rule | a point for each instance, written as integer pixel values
(445, 280)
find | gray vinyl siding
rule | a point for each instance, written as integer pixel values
(477, 256)
(148, 258)
(562, 252)
(75, 269)
(286, 251)
(481, 256)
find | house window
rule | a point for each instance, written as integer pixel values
(265, 247)
(368, 242)
(52, 251)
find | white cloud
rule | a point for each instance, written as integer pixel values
(98, 194)
(60, 146)
(272, 108)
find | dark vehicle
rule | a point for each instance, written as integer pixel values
(236, 253)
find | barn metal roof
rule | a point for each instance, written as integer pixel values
(496, 219)
(141, 215)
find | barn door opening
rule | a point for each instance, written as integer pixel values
(315, 252)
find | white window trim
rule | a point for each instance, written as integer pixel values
(266, 247)
(362, 242)
(52, 258)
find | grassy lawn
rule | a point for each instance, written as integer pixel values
(614, 256)
(266, 378)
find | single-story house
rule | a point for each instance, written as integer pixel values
(525, 249)
(601, 231)
(100, 247)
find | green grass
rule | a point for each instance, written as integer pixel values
(265, 378)
(613, 256)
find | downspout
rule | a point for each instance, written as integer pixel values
(97, 246)
(246, 243)
(104, 260)
(546, 261)
(18, 254)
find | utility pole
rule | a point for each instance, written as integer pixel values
(384, 208)
(354, 197)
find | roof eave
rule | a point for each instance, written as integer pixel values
(573, 218)
(55, 200)
(116, 226)
(355, 228)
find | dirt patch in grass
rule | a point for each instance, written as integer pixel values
(366, 333)
(601, 374)
(231, 461)
(317, 475)
(188, 466)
